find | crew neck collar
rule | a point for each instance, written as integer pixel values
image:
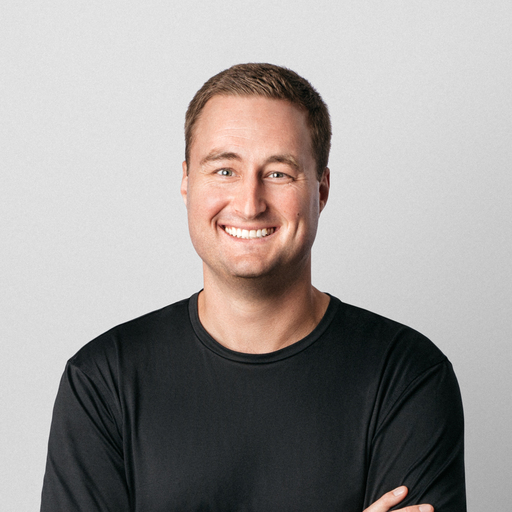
(210, 343)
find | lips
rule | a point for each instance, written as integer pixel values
(248, 234)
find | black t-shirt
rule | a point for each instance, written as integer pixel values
(155, 416)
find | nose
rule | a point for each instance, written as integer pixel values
(250, 198)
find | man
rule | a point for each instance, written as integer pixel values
(259, 393)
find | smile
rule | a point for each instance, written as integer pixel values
(248, 233)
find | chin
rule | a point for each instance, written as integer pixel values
(250, 274)
(249, 270)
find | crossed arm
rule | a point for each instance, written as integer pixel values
(81, 428)
(394, 497)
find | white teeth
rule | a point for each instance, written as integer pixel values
(248, 234)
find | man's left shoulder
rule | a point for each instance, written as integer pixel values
(385, 341)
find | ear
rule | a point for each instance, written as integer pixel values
(184, 183)
(323, 188)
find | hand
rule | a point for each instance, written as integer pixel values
(394, 497)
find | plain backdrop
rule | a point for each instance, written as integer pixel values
(93, 229)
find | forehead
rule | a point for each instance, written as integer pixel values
(251, 122)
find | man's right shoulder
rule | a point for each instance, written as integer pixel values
(135, 338)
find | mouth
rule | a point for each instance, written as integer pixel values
(248, 234)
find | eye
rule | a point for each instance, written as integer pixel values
(276, 174)
(225, 172)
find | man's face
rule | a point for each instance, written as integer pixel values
(252, 193)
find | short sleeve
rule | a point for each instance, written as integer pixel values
(85, 467)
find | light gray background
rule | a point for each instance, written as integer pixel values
(93, 230)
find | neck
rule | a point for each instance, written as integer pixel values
(252, 316)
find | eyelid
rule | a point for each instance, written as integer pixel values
(219, 171)
(283, 174)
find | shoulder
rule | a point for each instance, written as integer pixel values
(384, 348)
(133, 339)
(380, 334)
(399, 367)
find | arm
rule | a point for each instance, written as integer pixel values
(417, 441)
(85, 466)
(394, 497)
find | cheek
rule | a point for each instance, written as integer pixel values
(303, 206)
(204, 204)
(288, 202)
(306, 213)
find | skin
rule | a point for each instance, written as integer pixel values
(251, 167)
(394, 497)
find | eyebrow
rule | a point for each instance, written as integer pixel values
(219, 155)
(284, 159)
(227, 155)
